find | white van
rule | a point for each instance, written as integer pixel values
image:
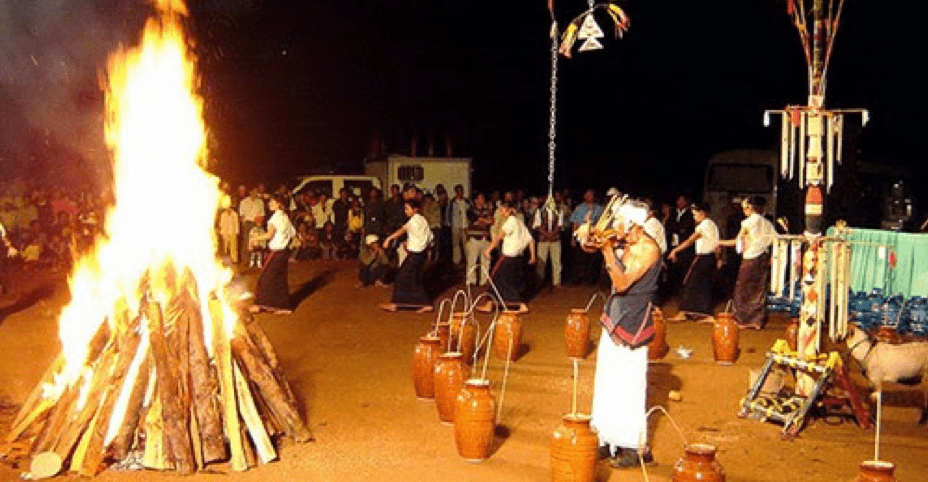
(332, 184)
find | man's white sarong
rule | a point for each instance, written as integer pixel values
(620, 394)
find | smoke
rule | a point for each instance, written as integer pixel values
(51, 102)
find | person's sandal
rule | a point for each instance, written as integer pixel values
(628, 458)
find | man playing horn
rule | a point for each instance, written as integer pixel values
(632, 261)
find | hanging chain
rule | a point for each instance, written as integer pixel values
(590, 3)
(552, 122)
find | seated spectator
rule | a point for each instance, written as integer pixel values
(328, 241)
(372, 262)
(309, 243)
(257, 247)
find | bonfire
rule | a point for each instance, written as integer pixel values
(157, 363)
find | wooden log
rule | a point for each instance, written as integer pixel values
(92, 459)
(174, 411)
(155, 456)
(263, 377)
(56, 420)
(124, 440)
(252, 419)
(263, 345)
(223, 359)
(36, 404)
(204, 388)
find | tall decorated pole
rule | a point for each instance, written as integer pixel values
(811, 144)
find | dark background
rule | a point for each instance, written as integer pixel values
(295, 87)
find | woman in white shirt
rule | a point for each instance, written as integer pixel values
(272, 293)
(753, 242)
(509, 273)
(408, 289)
(696, 301)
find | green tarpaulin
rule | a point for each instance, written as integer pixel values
(872, 251)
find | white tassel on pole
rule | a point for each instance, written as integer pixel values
(802, 149)
(792, 146)
(830, 154)
(785, 128)
(839, 135)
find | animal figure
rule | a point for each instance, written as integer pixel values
(889, 362)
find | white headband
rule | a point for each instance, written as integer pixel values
(633, 213)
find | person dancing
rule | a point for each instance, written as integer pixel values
(753, 242)
(408, 289)
(509, 273)
(273, 294)
(696, 302)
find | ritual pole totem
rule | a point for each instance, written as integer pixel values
(815, 134)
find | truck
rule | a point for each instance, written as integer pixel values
(734, 175)
(426, 172)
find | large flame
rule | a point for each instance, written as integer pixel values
(165, 203)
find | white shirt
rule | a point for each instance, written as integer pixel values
(655, 228)
(760, 236)
(516, 237)
(228, 222)
(555, 216)
(321, 214)
(708, 238)
(283, 231)
(250, 209)
(459, 213)
(418, 234)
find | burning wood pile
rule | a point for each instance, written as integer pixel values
(157, 365)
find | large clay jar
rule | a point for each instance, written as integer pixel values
(725, 339)
(658, 347)
(508, 329)
(426, 353)
(792, 333)
(474, 420)
(464, 339)
(876, 471)
(698, 464)
(577, 333)
(574, 446)
(443, 332)
(448, 376)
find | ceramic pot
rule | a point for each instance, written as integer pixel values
(464, 339)
(577, 333)
(443, 332)
(725, 339)
(474, 420)
(876, 471)
(792, 333)
(508, 327)
(698, 464)
(574, 446)
(448, 376)
(658, 347)
(426, 353)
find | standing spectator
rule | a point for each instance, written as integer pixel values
(229, 227)
(372, 262)
(8, 252)
(478, 239)
(257, 245)
(408, 289)
(696, 301)
(322, 213)
(443, 243)
(374, 213)
(508, 275)
(249, 210)
(586, 266)
(753, 242)
(548, 223)
(394, 211)
(355, 226)
(340, 213)
(458, 208)
(432, 213)
(681, 228)
(272, 293)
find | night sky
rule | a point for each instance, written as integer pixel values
(296, 87)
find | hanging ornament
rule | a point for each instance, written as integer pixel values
(584, 27)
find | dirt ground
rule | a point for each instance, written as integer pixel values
(350, 364)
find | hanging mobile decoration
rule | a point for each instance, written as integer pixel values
(552, 119)
(584, 27)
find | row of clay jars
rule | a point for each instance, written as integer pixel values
(507, 338)
(577, 335)
(725, 339)
(574, 450)
(449, 374)
(474, 420)
(464, 336)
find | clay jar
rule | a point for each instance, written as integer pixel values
(876, 471)
(725, 339)
(792, 333)
(448, 376)
(574, 446)
(426, 353)
(698, 464)
(658, 347)
(577, 333)
(474, 420)
(464, 339)
(508, 327)
(443, 332)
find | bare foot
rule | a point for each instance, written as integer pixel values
(254, 309)
(425, 309)
(485, 308)
(522, 308)
(391, 307)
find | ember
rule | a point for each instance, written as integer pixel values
(156, 363)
